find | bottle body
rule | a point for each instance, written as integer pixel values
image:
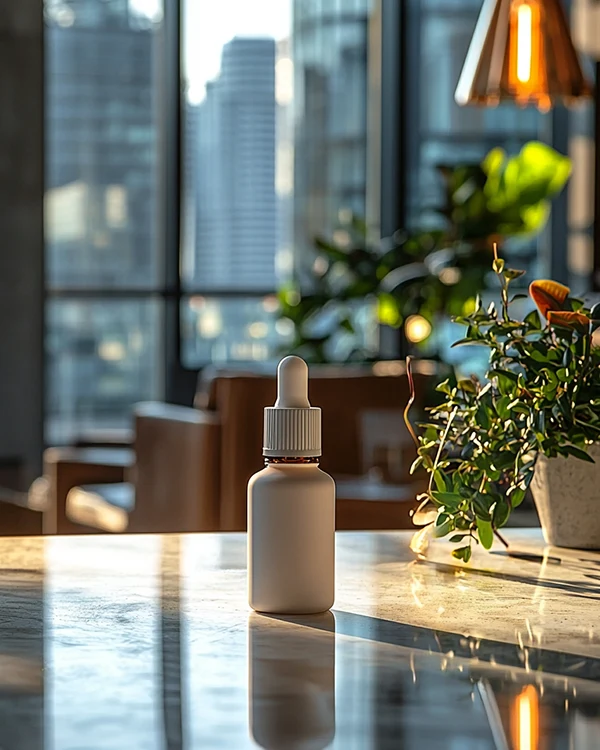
(291, 539)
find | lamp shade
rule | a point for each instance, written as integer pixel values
(522, 52)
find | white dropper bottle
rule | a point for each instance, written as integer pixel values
(291, 506)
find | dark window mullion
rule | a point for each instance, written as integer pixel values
(170, 123)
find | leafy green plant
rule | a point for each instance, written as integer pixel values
(402, 277)
(504, 196)
(424, 273)
(541, 395)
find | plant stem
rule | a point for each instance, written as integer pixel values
(503, 284)
(500, 537)
(441, 445)
(411, 385)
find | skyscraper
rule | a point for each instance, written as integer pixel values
(330, 91)
(101, 195)
(101, 143)
(236, 229)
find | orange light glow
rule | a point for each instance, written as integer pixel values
(526, 719)
(526, 73)
(524, 34)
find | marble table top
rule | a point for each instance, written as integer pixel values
(147, 642)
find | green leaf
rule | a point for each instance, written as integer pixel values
(462, 553)
(501, 513)
(539, 356)
(552, 382)
(443, 524)
(502, 407)
(482, 504)
(468, 450)
(486, 535)
(517, 189)
(444, 387)
(533, 320)
(512, 273)
(388, 311)
(457, 538)
(534, 217)
(516, 496)
(447, 499)
(467, 342)
(542, 171)
(440, 480)
(467, 385)
(483, 416)
(508, 374)
(572, 450)
(506, 384)
(494, 161)
(503, 459)
(518, 407)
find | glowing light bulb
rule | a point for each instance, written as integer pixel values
(526, 72)
(524, 34)
(417, 328)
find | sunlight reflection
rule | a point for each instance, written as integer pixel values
(526, 719)
(416, 586)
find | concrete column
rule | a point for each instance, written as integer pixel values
(21, 233)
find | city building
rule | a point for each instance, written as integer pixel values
(330, 99)
(236, 228)
(100, 228)
(101, 146)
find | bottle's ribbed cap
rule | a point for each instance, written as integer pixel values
(292, 426)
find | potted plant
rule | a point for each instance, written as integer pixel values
(533, 423)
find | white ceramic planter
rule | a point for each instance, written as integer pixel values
(566, 492)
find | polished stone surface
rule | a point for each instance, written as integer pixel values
(147, 642)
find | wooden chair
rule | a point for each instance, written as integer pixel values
(189, 468)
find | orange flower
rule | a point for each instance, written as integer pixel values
(577, 320)
(548, 295)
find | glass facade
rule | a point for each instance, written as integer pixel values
(103, 353)
(231, 329)
(101, 145)
(102, 357)
(330, 85)
(275, 146)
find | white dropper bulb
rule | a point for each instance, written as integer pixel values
(292, 383)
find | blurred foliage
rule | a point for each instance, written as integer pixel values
(426, 273)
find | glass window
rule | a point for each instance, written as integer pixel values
(440, 132)
(103, 356)
(101, 138)
(103, 352)
(275, 146)
(231, 329)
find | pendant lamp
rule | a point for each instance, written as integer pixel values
(522, 52)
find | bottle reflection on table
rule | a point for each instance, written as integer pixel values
(291, 680)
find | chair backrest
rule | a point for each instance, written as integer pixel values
(343, 393)
(177, 455)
